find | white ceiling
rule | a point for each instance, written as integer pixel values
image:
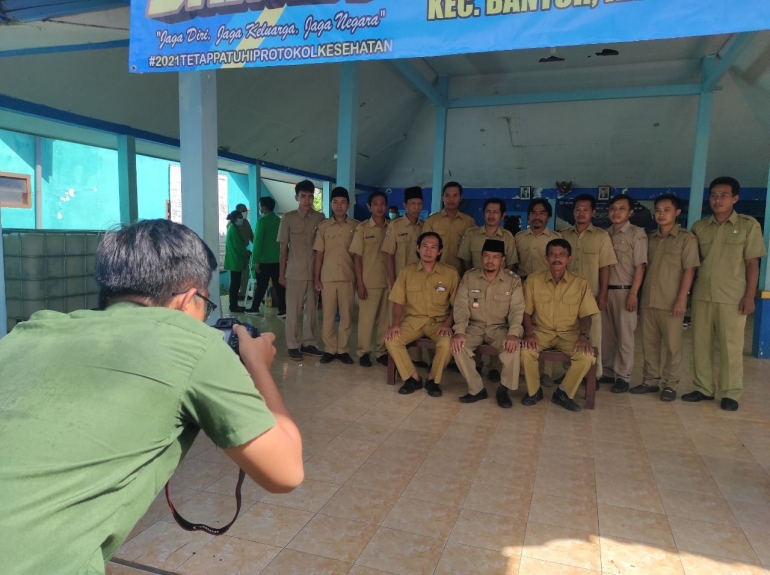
(288, 115)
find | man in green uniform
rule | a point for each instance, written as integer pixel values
(266, 258)
(619, 316)
(335, 276)
(422, 307)
(450, 224)
(236, 257)
(672, 258)
(592, 256)
(488, 309)
(99, 407)
(731, 246)
(296, 235)
(371, 280)
(558, 310)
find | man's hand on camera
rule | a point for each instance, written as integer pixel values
(255, 352)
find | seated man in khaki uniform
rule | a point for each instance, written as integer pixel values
(488, 309)
(558, 307)
(422, 298)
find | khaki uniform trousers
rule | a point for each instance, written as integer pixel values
(415, 353)
(662, 347)
(509, 375)
(556, 370)
(578, 368)
(618, 326)
(728, 324)
(299, 293)
(337, 295)
(370, 310)
(397, 348)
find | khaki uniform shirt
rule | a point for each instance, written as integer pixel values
(425, 296)
(531, 250)
(298, 232)
(630, 245)
(401, 241)
(367, 243)
(333, 239)
(485, 307)
(473, 241)
(557, 308)
(667, 260)
(723, 251)
(451, 231)
(591, 250)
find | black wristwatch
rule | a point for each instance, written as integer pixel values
(585, 335)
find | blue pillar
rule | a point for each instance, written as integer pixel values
(38, 182)
(347, 130)
(198, 159)
(439, 145)
(3, 308)
(129, 204)
(552, 222)
(760, 346)
(701, 152)
(325, 199)
(255, 190)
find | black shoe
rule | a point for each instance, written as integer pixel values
(295, 355)
(502, 397)
(530, 400)
(696, 395)
(494, 376)
(328, 358)
(469, 398)
(433, 388)
(311, 350)
(560, 397)
(383, 360)
(346, 359)
(410, 386)
(729, 404)
(605, 379)
(420, 363)
(644, 388)
(621, 386)
(365, 361)
(237, 309)
(667, 394)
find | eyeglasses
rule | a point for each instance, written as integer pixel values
(210, 305)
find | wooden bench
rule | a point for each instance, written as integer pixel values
(545, 355)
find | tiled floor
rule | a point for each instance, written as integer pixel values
(412, 485)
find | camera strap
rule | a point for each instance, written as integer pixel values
(186, 525)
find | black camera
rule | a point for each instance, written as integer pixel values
(226, 324)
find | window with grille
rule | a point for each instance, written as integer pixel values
(15, 191)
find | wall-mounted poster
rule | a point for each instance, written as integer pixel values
(525, 192)
(604, 192)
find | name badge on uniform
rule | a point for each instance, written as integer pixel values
(440, 288)
(475, 291)
(475, 303)
(369, 237)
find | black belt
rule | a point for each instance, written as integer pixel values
(620, 287)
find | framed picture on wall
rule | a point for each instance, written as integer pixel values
(604, 192)
(525, 192)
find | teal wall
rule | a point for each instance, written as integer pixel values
(152, 180)
(17, 156)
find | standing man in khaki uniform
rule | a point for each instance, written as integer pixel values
(530, 243)
(450, 224)
(592, 256)
(672, 258)
(296, 234)
(400, 244)
(558, 310)
(335, 276)
(619, 316)
(371, 280)
(731, 246)
(422, 307)
(488, 309)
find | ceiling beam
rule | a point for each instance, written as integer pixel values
(726, 61)
(32, 11)
(414, 77)
(577, 96)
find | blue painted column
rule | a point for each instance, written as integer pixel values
(552, 221)
(129, 203)
(198, 159)
(254, 192)
(326, 199)
(347, 130)
(760, 346)
(439, 145)
(701, 152)
(3, 306)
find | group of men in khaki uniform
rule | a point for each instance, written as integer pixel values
(589, 283)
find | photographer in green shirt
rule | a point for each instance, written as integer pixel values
(97, 408)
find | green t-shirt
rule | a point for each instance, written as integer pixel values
(267, 250)
(236, 254)
(97, 408)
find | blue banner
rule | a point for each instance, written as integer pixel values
(179, 35)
